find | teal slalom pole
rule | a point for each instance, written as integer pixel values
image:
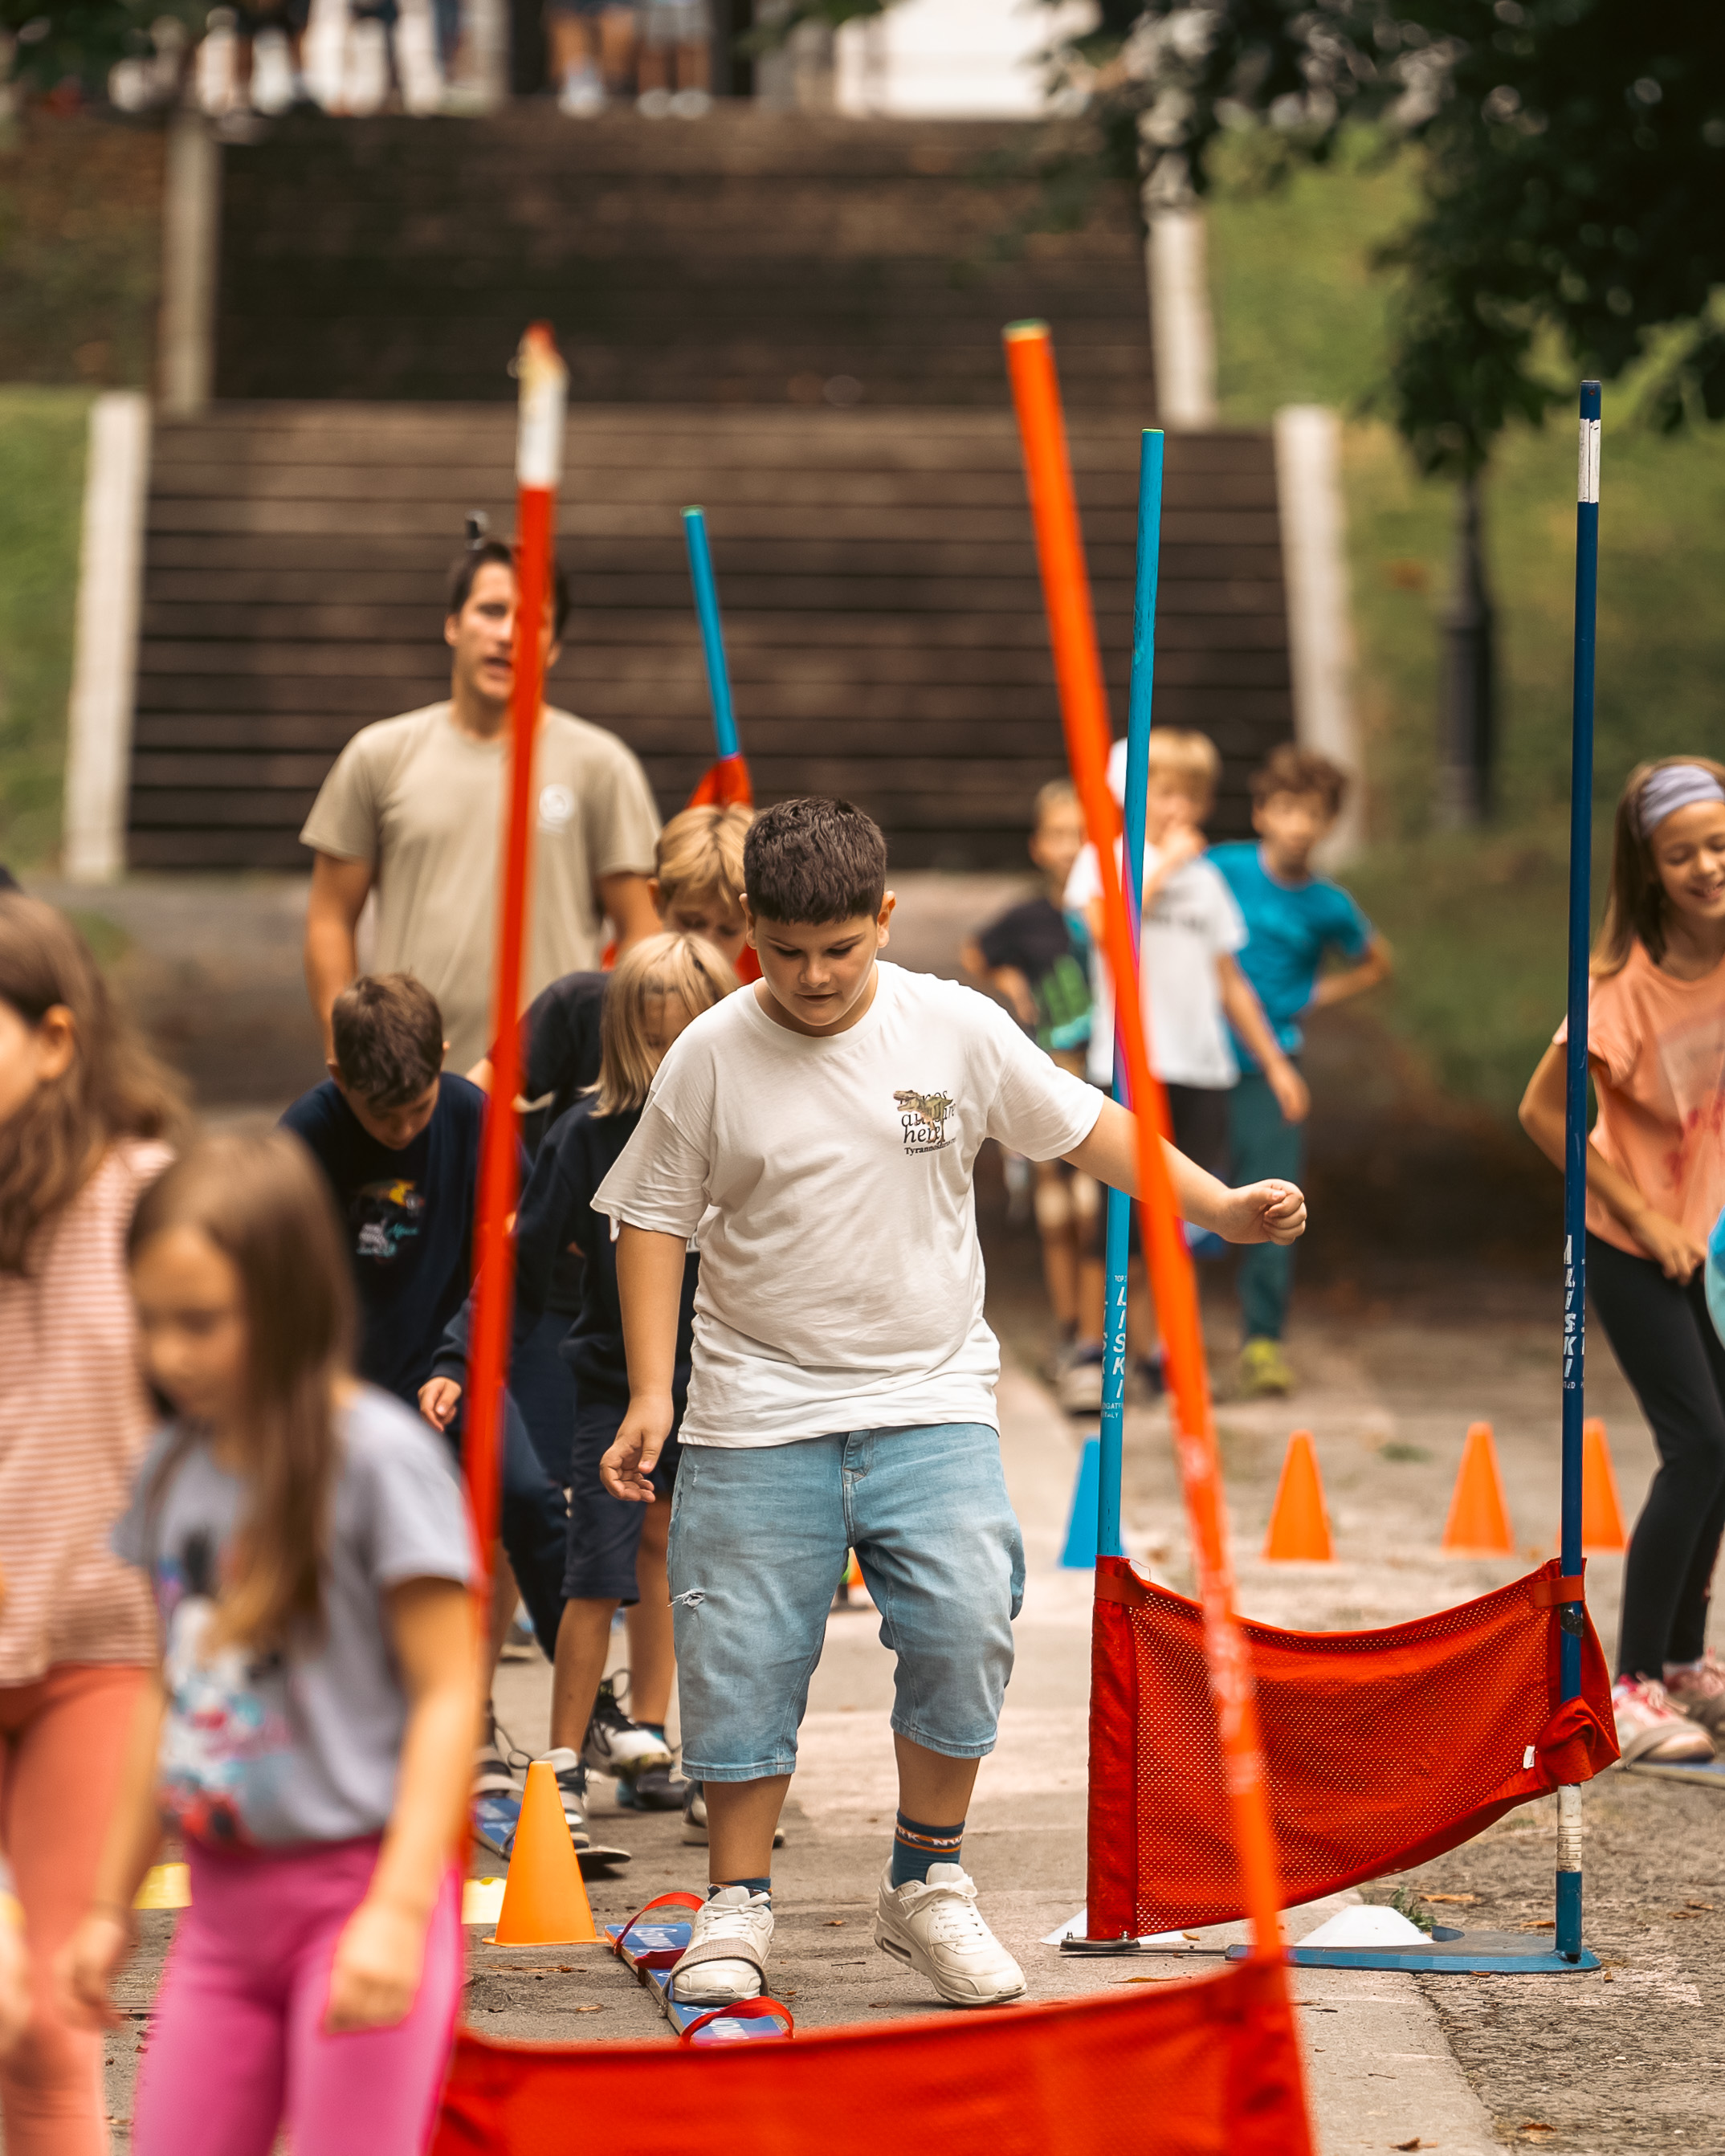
(712, 636)
(1137, 777)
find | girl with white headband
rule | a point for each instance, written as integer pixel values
(1655, 1182)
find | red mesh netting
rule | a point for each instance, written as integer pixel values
(1382, 1748)
(1202, 2068)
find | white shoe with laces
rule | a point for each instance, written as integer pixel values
(935, 1925)
(726, 1959)
(1649, 1727)
(1696, 1690)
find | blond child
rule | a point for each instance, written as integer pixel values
(615, 1551)
(1036, 958)
(1194, 990)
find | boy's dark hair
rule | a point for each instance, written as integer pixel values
(482, 552)
(815, 859)
(389, 1036)
(1291, 769)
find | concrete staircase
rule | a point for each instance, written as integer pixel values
(794, 322)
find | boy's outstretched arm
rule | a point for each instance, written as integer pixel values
(649, 1286)
(1273, 1212)
(1354, 980)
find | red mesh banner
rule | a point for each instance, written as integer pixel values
(1382, 1749)
(1207, 2068)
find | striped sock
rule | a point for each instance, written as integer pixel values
(915, 1847)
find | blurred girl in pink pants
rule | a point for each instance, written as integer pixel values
(311, 1729)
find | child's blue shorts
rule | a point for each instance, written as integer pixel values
(758, 1539)
(605, 1532)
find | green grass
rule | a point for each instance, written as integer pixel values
(1478, 920)
(42, 441)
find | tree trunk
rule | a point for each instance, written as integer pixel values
(1468, 739)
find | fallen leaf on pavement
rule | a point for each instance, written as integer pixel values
(1463, 1900)
(1416, 2143)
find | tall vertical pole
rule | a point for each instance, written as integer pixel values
(1138, 773)
(1083, 711)
(539, 453)
(1572, 1616)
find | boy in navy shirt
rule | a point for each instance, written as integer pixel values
(1293, 920)
(397, 1137)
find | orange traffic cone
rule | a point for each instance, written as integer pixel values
(1478, 1525)
(544, 1900)
(1601, 1515)
(1298, 1527)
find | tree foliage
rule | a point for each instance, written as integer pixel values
(78, 42)
(1572, 155)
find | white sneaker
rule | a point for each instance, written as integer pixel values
(1649, 1728)
(583, 95)
(690, 105)
(937, 1927)
(726, 1958)
(617, 1746)
(653, 104)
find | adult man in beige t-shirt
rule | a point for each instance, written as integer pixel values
(413, 808)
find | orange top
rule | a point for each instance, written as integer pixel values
(1658, 1049)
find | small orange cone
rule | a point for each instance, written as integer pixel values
(1299, 1530)
(1601, 1515)
(1478, 1525)
(544, 1903)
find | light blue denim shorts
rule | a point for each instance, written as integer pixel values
(758, 1535)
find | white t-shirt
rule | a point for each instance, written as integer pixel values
(841, 1279)
(1193, 921)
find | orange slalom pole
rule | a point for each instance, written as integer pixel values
(1084, 708)
(538, 460)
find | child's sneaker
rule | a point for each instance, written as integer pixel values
(496, 1799)
(694, 1820)
(1264, 1370)
(614, 1744)
(655, 1790)
(583, 96)
(936, 1926)
(1079, 1386)
(726, 1959)
(571, 1787)
(1648, 1727)
(1699, 1692)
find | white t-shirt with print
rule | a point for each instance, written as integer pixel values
(1193, 921)
(841, 1279)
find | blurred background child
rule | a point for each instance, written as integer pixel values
(1036, 956)
(1295, 921)
(675, 58)
(84, 1110)
(310, 1731)
(1195, 997)
(616, 1549)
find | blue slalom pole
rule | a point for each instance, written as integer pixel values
(712, 636)
(1137, 775)
(1571, 1616)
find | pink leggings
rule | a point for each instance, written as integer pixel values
(236, 2045)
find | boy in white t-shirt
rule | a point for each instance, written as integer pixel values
(819, 1130)
(1193, 986)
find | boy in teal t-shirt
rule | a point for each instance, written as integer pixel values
(1293, 920)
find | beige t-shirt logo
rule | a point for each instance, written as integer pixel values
(923, 1118)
